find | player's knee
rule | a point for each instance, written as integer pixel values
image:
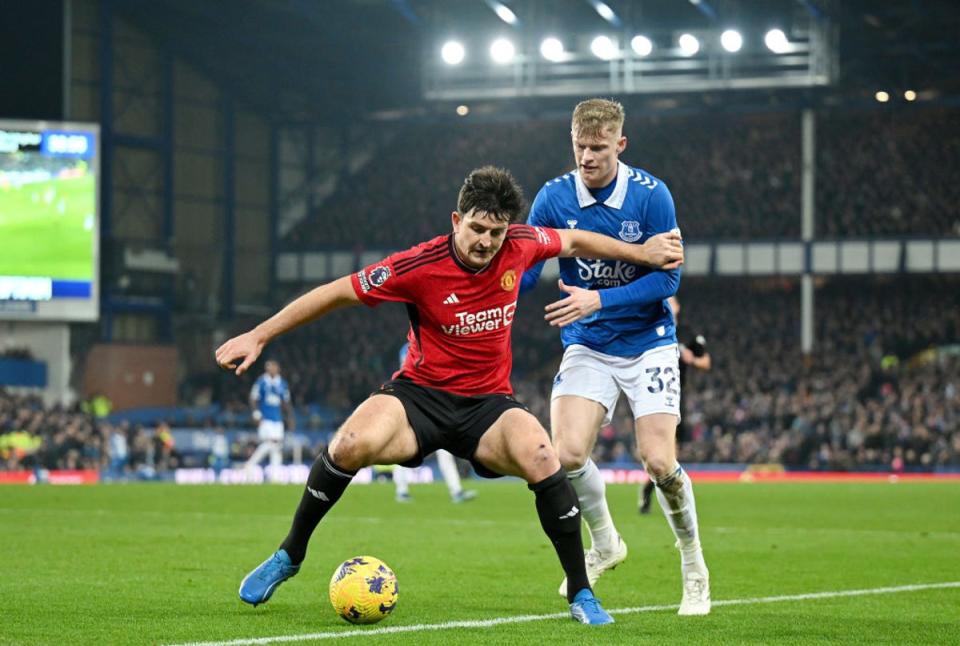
(572, 457)
(350, 451)
(659, 466)
(539, 461)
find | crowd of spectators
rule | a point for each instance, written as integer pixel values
(764, 400)
(888, 172)
(732, 176)
(879, 390)
(880, 387)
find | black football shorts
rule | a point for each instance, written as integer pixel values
(442, 420)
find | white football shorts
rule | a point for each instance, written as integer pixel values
(270, 430)
(651, 382)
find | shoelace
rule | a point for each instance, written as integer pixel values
(265, 573)
(593, 603)
(695, 587)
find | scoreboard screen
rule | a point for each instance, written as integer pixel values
(49, 221)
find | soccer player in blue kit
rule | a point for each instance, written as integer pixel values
(269, 400)
(619, 335)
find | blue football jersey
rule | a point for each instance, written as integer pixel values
(633, 208)
(269, 393)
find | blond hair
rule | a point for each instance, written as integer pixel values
(593, 116)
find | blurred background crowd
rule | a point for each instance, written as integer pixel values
(881, 390)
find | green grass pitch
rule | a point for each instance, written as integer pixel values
(46, 229)
(160, 564)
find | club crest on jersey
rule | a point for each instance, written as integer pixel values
(508, 280)
(572, 224)
(379, 275)
(630, 231)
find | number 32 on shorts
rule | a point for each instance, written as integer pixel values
(663, 379)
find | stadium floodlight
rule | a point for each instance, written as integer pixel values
(552, 49)
(910, 95)
(689, 45)
(642, 46)
(731, 40)
(463, 110)
(776, 41)
(502, 51)
(452, 52)
(603, 47)
(503, 12)
(606, 12)
(882, 96)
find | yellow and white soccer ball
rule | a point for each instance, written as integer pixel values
(363, 590)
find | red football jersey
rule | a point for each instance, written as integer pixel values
(460, 317)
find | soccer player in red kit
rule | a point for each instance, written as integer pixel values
(453, 391)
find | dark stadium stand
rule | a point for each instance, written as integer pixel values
(733, 176)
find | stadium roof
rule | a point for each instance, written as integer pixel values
(337, 59)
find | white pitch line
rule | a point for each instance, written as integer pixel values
(519, 619)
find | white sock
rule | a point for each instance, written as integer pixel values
(675, 494)
(448, 469)
(401, 478)
(592, 490)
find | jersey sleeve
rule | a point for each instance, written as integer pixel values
(661, 213)
(380, 282)
(255, 390)
(539, 217)
(286, 391)
(657, 285)
(536, 243)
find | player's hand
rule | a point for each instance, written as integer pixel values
(579, 304)
(664, 250)
(240, 352)
(256, 415)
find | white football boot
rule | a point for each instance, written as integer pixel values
(598, 563)
(696, 591)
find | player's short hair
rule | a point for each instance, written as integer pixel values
(593, 116)
(493, 191)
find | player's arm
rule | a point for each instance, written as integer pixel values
(241, 351)
(255, 402)
(662, 251)
(537, 217)
(702, 363)
(696, 355)
(289, 414)
(651, 288)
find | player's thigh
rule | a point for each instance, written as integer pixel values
(376, 433)
(657, 442)
(651, 384)
(270, 430)
(574, 423)
(517, 445)
(585, 374)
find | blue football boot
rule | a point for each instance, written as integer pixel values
(464, 495)
(258, 586)
(586, 609)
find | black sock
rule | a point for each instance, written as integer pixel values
(325, 485)
(648, 489)
(559, 511)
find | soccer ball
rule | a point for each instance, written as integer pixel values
(363, 590)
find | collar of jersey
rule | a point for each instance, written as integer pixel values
(615, 200)
(462, 265)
